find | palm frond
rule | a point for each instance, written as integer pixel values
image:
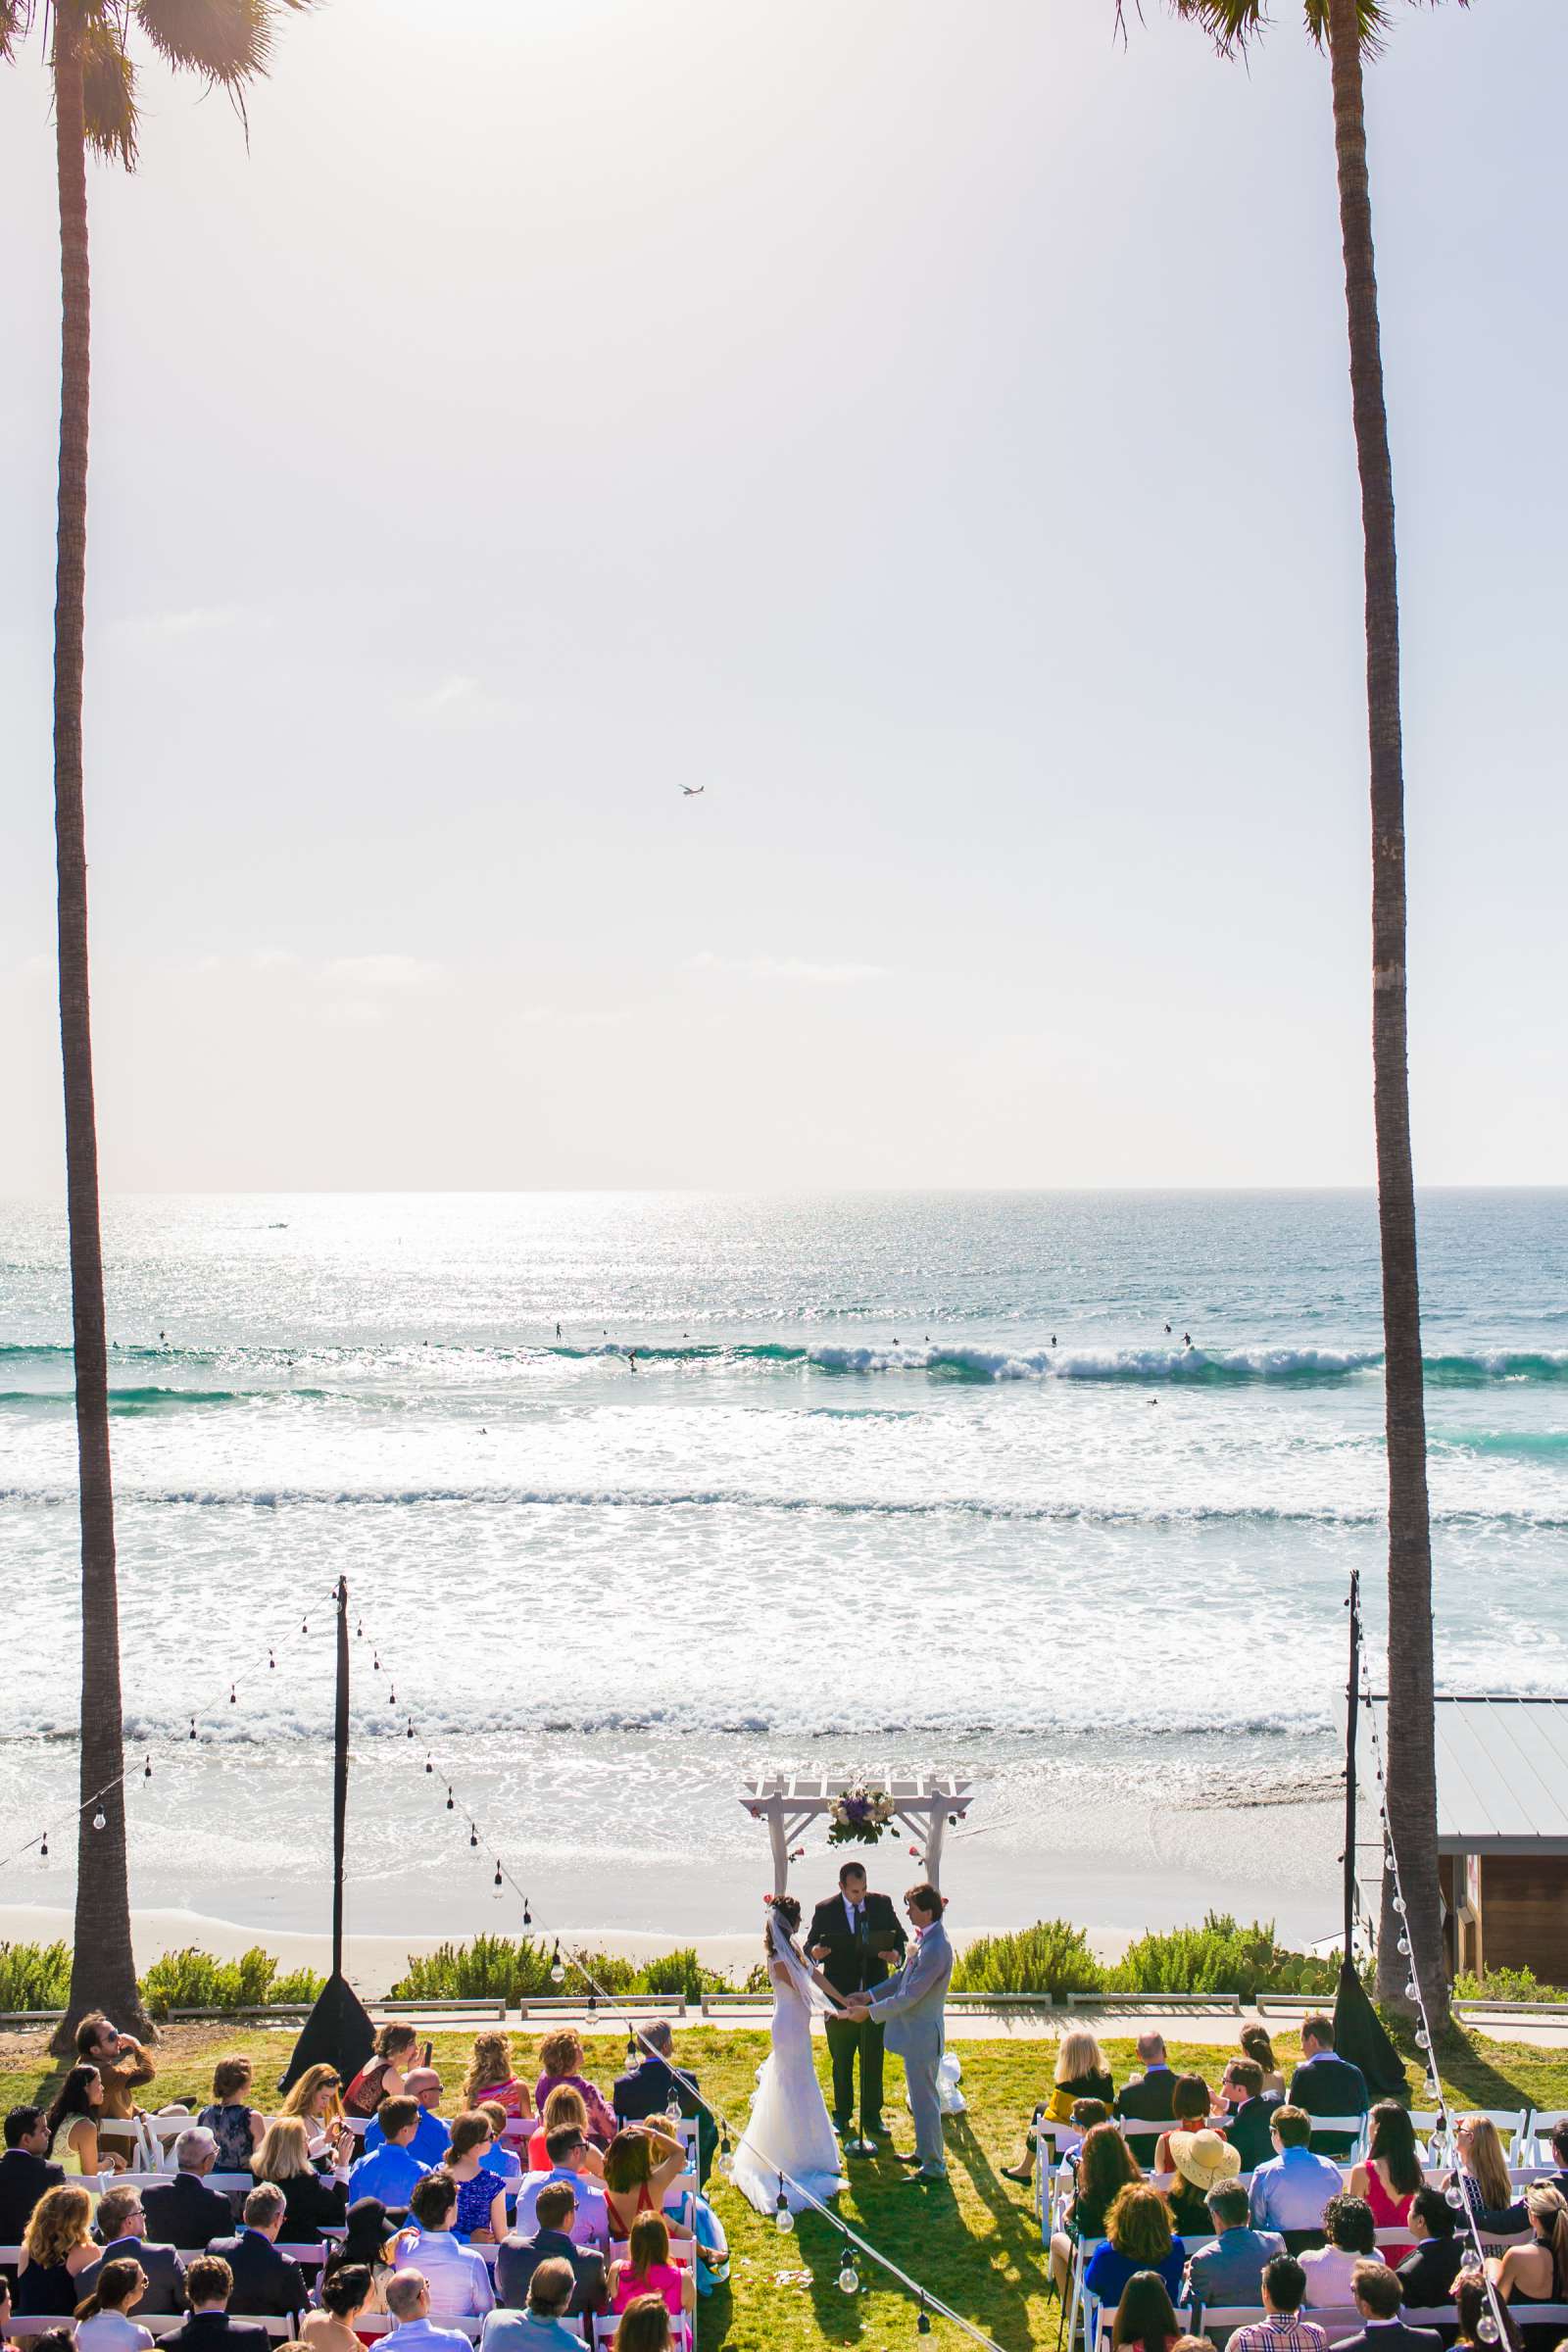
(16, 21)
(1375, 21)
(228, 43)
(108, 92)
(1231, 25)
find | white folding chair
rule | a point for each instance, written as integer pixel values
(1535, 2144)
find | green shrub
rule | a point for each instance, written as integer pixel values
(1051, 1956)
(497, 1968)
(194, 1980)
(1505, 1985)
(1220, 1956)
(681, 1973)
(34, 1976)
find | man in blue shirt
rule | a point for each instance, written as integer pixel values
(408, 2299)
(1230, 2268)
(431, 2139)
(1325, 2084)
(1289, 2192)
(390, 2170)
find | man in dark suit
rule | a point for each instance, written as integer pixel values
(856, 1941)
(120, 2223)
(1147, 2098)
(517, 2258)
(23, 2174)
(1427, 2275)
(1378, 2298)
(184, 2211)
(1250, 2124)
(658, 2085)
(210, 2328)
(1324, 2085)
(263, 2282)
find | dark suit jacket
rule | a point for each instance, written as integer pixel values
(166, 2275)
(655, 2087)
(517, 2259)
(1147, 2099)
(308, 2202)
(266, 2282)
(22, 2181)
(186, 2212)
(1397, 2339)
(850, 1965)
(1249, 2129)
(1428, 2275)
(216, 2331)
(1330, 2085)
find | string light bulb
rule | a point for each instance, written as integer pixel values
(1398, 1902)
(527, 1915)
(193, 1727)
(147, 1770)
(557, 1967)
(451, 1800)
(375, 1663)
(783, 2219)
(233, 1696)
(726, 2154)
(1423, 2039)
(1487, 2328)
(100, 1820)
(849, 2276)
(429, 1764)
(498, 1870)
(1453, 2196)
(1402, 1947)
(271, 1662)
(922, 2325)
(43, 1847)
(304, 1625)
(473, 1833)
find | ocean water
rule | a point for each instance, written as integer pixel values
(914, 1481)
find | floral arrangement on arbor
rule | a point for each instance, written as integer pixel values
(861, 1816)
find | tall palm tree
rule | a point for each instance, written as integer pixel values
(1352, 31)
(226, 42)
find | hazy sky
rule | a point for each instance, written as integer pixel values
(924, 427)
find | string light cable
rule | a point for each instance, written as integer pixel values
(600, 1997)
(1490, 2327)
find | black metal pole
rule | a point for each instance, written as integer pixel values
(340, 1773)
(1353, 1710)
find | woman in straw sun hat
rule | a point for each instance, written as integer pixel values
(1202, 2160)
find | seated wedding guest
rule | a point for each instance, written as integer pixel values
(457, 2276)
(1472, 2303)
(310, 2203)
(1389, 2175)
(567, 2152)
(492, 2077)
(124, 2066)
(543, 2327)
(1427, 2275)
(5, 2316)
(560, 2060)
(517, 2258)
(432, 2138)
(1200, 2161)
(1251, 2112)
(262, 2280)
(1352, 2233)
(1282, 2328)
(1256, 2042)
(72, 2124)
(648, 2270)
(1192, 2110)
(1560, 2157)
(1145, 2319)
(565, 2106)
(1081, 2072)
(1138, 2238)
(317, 2099)
(656, 2086)
(644, 2327)
(1378, 2299)
(390, 2170)
(482, 2200)
(209, 2329)
(1537, 2272)
(57, 2246)
(1229, 2267)
(237, 2126)
(1325, 2084)
(344, 2299)
(24, 2172)
(499, 2158)
(1483, 2177)
(381, 2078)
(122, 2227)
(184, 2211)
(367, 2242)
(1147, 2097)
(408, 2300)
(642, 2165)
(1105, 2169)
(1291, 2190)
(103, 2318)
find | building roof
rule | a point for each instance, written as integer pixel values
(1502, 1772)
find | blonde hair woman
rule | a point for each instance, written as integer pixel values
(492, 2077)
(316, 2098)
(56, 2244)
(1482, 2176)
(309, 2203)
(566, 2107)
(1081, 2072)
(1537, 2272)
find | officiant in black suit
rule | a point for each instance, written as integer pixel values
(856, 1941)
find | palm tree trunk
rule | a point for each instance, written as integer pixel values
(103, 1971)
(1411, 1793)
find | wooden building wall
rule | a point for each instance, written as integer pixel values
(1524, 1914)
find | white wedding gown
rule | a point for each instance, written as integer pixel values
(787, 2130)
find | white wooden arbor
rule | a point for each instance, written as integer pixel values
(789, 1802)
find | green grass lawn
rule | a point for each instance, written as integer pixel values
(974, 2243)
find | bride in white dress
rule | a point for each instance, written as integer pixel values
(788, 2129)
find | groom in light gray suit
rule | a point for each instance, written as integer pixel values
(910, 2005)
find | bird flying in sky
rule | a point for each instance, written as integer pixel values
(692, 792)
